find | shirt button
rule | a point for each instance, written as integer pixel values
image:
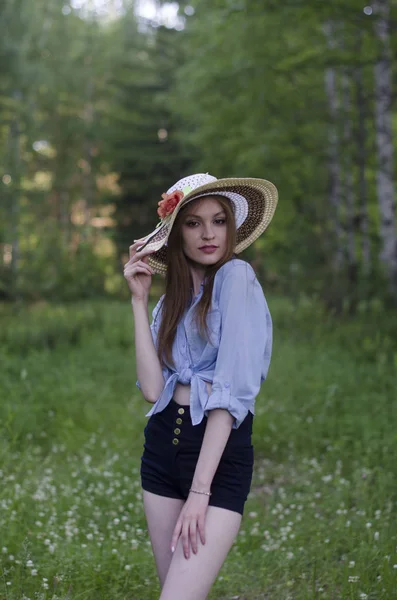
(181, 411)
(179, 421)
(177, 431)
(175, 441)
(227, 384)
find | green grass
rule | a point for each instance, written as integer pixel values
(320, 521)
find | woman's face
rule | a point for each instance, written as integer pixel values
(204, 224)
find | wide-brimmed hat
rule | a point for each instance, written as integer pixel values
(253, 200)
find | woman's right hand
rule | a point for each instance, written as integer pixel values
(138, 272)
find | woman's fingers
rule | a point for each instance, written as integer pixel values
(141, 259)
(141, 256)
(131, 273)
(187, 528)
(134, 248)
(201, 528)
(185, 538)
(130, 270)
(176, 534)
(132, 263)
(193, 536)
(140, 263)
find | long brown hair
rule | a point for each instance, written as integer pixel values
(179, 282)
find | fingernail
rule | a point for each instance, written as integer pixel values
(172, 549)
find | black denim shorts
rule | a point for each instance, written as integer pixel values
(171, 450)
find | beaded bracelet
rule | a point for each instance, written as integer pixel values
(197, 492)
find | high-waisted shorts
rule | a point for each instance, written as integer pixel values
(171, 450)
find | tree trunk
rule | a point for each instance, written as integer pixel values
(362, 162)
(333, 150)
(64, 214)
(15, 155)
(384, 143)
(348, 173)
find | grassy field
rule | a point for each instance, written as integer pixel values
(321, 519)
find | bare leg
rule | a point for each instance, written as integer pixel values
(192, 578)
(161, 515)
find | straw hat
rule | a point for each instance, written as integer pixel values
(253, 200)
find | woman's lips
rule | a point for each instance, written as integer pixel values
(209, 249)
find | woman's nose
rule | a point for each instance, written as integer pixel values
(208, 233)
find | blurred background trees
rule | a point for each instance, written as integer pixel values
(104, 105)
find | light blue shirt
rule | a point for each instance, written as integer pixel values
(236, 362)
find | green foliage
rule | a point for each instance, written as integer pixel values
(48, 270)
(256, 103)
(142, 125)
(100, 116)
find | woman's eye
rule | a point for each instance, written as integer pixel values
(216, 220)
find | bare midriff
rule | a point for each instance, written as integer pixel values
(182, 393)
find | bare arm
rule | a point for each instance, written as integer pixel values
(192, 517)
(138, 274)
(217, 432)
(148, 368)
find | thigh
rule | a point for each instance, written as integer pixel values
(161, 516)
(192, 578)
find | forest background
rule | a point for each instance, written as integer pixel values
(102, 108)
(104, 104)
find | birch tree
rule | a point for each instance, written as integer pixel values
(334, 167)
(362, 159)
(384, 142)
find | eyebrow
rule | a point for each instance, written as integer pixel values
(198, 216)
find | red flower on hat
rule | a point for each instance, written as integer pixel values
(169, 202)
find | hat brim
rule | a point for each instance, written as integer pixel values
(261, 196)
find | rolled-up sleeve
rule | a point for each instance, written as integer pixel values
(245, 344)
(154, 328)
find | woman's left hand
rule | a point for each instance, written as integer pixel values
(191, 522)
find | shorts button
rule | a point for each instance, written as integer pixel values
(177, 431)
(175, 441)
(181, 411)
(179, 421)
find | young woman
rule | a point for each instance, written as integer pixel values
(200, 363)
